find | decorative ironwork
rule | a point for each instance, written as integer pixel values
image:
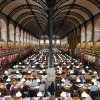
(75, 6)
(31, 18)
(26, 7)
(70, 13)
(30, 13)
(70, 18)
(96, 2)
(5, 3)
(59, 3)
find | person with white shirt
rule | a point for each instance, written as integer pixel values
(42, 87)
(44, 78)
(34, 83)
(28, 82)
(19, 76)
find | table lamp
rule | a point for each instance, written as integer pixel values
(39, 94)
(23, 66)
(23, 80)
(63, 80)
(78, 80)
(18, 94)
(38, 80)
(6, 72)
(68, 67)
(29, 72)
(87, 67)
(95, 72)
(17, 72)
(84, 95)
(63, 95)
(8, 79)
(71, 72)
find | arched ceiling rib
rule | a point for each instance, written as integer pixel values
(32, 14)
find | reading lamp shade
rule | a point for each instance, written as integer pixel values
(95, 72)
(87, 67)
(23, 79)
(84, 94)
(39, 94)
(63, 94)
(18, 94)
(29, 72)
(78, 80)
(38, 80)
(8, 80)
(63, 80)
(17, 72)
(6, 72)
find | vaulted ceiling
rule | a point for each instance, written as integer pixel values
(32, 14)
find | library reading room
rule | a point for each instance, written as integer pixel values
(49, 49)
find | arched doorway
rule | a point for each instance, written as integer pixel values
(89, 36)
(11, 36)
(97, 34)
(3, 34)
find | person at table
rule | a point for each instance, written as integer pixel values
(93, 91)
(86, 71)
(33, 92)
(9, 71)
(44, 78)
(42, 86)
(19, 76)
(74, 88)
(25, 93)
(34, 83)
(82, 79)
(10, 86)
(67, 81)
(28, 82)
(46, 94)
(75, 71)
(34, 73)
(88, 97)
(5, 77)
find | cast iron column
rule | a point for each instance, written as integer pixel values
(50, 33)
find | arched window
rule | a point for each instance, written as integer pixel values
(89, 32)
(97, 30)
(3, 28)
(53, 41)
(41, 41)
(11, 32)
(17, 34)
(21, 36)
(57, 41)
(82, 34)
(47, 41)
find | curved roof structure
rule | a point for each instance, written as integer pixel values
(33, 15)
